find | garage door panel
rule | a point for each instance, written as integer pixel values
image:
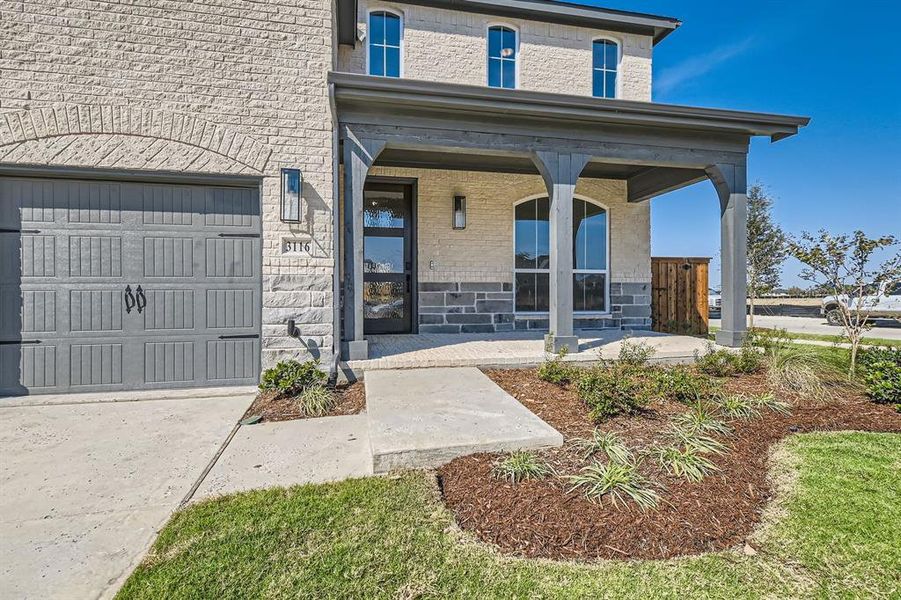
(184, 258)
(169, 362)
(232, 359)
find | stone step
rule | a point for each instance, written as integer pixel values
(424, 418)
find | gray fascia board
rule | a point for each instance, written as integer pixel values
(536, 10)
(564, 107)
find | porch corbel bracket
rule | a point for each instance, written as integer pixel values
(561, 171)
(731, 184)
(359, 155)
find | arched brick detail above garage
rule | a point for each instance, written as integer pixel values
(127, 137)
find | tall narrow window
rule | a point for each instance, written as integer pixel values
(502, 55)
(604, 65)
(384, 44)
(532, 256)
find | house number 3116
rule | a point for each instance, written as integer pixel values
(297, 246)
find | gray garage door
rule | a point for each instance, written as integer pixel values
(108, 285)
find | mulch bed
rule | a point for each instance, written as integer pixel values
(543, 519)
(351, 400)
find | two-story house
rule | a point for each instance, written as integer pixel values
(191, 191)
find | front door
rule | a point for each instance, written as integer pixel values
(388, 277)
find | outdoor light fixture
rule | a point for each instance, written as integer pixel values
(291, 184)
(459, 212)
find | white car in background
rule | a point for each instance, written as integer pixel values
(714, 301)
(884, 303)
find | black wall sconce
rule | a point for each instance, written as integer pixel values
(459, 214)
(292, 181)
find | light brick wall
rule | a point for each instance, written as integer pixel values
(451, 46)
(484, 250)
(226, 86)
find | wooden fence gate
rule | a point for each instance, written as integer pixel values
(679, 300)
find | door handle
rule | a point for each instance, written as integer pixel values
(409, 277)
(129, 299)
(141, 299)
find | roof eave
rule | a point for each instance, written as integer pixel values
(479, 99)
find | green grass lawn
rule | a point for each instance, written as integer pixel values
(834, 533)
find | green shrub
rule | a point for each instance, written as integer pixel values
(291, 377)
(682, 384)
(618, 480)
(725, 363)
(520, 466)
(702, 417)
(609, 443)
(556, 371)
(635, 354)
(768, 338)
(612, 390)
(687, 462)
(881, 369)
(316, 401)
(738, 407)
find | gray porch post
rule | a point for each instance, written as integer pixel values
(359, 154)
(560, 172)
(731, 183)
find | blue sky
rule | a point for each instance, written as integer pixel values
(838, 63)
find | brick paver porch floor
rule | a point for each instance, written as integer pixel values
(516, 349)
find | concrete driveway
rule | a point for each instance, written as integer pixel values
(882, 328)
(84, 487)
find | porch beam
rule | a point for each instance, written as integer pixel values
(359, 155)
(731, 183)
(655, 181)
(560, 172)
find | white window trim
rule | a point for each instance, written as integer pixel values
(399, 15)
(517, 61)
(617, 93)
(606, 271)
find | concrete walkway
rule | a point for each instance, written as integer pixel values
(426, 417)
(84, 487)
(291, 453)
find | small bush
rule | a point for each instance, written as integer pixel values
(881, 369)
(635, 354)
(621, 481)
(682, 384)
(796, 369)
(520, 466)
(316, 401)
(768, 401)
(688, 462)
(702, 417)
(556, 371)
(291, 377)
(738, 407)
(614, 390)
(608, 443)
(696, 441)
(725, 363)
(768, 339)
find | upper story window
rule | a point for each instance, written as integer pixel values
(605, 61)
(502, 55)
(384, 44)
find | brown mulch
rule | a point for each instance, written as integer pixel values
(544, 519)
(351, 400)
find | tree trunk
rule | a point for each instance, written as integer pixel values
(751, 313)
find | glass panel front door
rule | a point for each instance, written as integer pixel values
(387, 258)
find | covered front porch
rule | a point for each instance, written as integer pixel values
(555, 150)
(512, 349)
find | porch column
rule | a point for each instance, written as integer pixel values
(560, 172)
(359, 154)
(731, 183)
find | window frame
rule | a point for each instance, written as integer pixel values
(605, 271)
(617, 87)
(516, 62)
(400, 16)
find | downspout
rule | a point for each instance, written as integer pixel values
(336, 242)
